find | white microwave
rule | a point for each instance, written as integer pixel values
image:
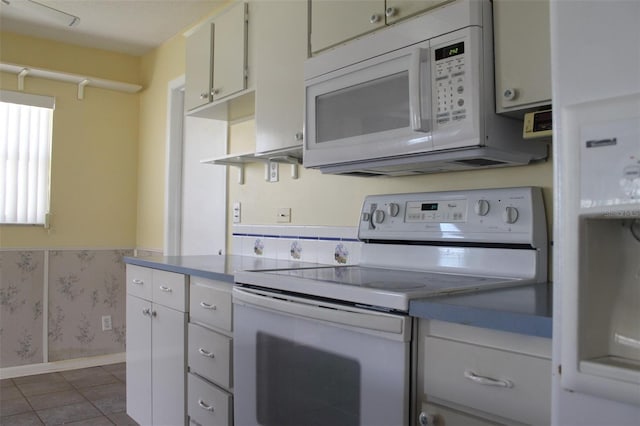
(417, 97)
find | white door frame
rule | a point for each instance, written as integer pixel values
(173, 167)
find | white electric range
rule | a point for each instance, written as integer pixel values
(335, 341)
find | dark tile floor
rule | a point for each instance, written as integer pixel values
(93, 396)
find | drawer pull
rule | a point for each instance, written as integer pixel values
(165, 289)
(208, 306)
(206, 353)
(487, 381)
(205, 406)
(137, 282)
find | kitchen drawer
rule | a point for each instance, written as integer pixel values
(210, 303)
(208, 405)
(139, 281)
(456, 372)
(210, 355)
(450, 417)
(170, 289)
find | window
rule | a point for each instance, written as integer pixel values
(26, 123)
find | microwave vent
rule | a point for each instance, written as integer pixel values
(480, 162)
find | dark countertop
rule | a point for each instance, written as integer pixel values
(219, 268)
(523, 309)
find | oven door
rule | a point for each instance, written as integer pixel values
(303, 362)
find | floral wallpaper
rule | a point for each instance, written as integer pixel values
(21, 291)
(83, 285)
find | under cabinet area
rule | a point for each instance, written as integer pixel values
(473, 376)
(334, 22)
(210, 353)
(156, 345)
(522, 54)
(216, 58)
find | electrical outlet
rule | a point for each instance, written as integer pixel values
(106, 323)
(273, 172)
(236, 212)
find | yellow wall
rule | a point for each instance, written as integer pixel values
(317, 199)
(95, 148)
(158, 69)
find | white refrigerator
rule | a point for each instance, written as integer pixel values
(595, 51)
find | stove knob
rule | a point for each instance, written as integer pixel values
(393, 209)
(510, 215)
(481, 207)
(378, 216)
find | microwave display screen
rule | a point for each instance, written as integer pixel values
(449, 51)
(542, 122)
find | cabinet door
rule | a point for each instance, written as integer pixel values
(169, 366)
(230, 52)
(336, 21)
(139, 360)
(522, 54)
(279, 59)
(198, 67)
(400, 9)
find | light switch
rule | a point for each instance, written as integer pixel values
(284, 215)
(236, 212)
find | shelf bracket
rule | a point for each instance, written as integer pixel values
(287, 159)
(240, 172)
(21, 75)
(81, 88)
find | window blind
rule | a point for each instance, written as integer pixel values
(26, 123)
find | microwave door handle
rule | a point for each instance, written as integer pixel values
(418, 78)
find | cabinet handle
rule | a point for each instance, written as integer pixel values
(166, 289)
(390, 12)
(426, 419)
(137, 282)
(487, 381)
(215, 92)
(204, 95)
(510, 94)
(299, 136)
(146, 312)
(208, 306)
(374, 19)
(206, 353)
(205, 406)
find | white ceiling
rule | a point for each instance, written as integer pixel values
(127, 26)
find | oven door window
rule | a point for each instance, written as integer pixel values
(300, 384)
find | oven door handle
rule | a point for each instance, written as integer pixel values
(354, 317)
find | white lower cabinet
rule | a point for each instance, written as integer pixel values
(210, 394)
(472, 376)
(156, 347)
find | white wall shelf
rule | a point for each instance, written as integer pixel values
(82, 81)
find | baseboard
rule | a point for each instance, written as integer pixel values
(67, 364)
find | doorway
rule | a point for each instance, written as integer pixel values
(195, 193)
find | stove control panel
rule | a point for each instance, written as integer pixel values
(501, 215)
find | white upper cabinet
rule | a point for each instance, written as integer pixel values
(522, 54)
(279, 55)
(396, 10)
(230, 52)
(216, 58)
(199, 47)
(334, 21)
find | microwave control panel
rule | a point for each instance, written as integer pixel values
(450, 88)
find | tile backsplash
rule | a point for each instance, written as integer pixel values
(330, 245)
(74, 289)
